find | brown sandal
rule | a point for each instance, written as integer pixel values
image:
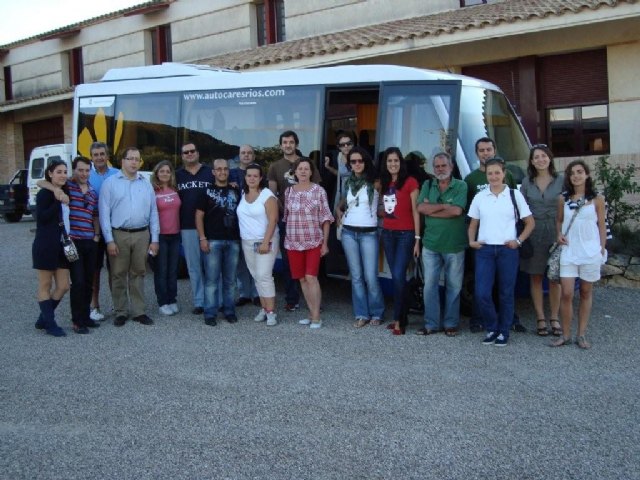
(542, 330)
(556, 331)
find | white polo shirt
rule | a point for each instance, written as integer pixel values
(496, 215)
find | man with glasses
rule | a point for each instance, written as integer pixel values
(219, 236)
(99, 173)
(477, 181)
(442, 201)
(128, 213)
(192, 180)
(280, 178)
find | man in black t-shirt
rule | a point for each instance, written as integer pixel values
(219, 236)
(192, 180)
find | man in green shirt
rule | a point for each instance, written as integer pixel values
(442, 201)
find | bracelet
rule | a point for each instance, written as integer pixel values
(518, 242)
(202, 239)
(417, 237)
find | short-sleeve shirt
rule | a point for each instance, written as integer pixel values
(304, 213)
(168, 202)
(219, 205)
(398, 210)
(496, 215)
(190, 188)
(281, 172)
(445, 235)
(477, 181)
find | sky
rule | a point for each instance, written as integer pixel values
(20, 19)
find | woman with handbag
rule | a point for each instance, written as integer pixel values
(47, 250)
(400, 227)
(493, 219)
(580, 224)
(357, 211)
(541, 188)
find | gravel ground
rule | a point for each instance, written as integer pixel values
(181, 400)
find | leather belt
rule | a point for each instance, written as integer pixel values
(133, 230)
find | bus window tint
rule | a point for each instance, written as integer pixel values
(499, 123)
(95, 123)
(150, 121)
(419, 118)
(219, 121)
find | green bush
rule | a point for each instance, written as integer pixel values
(617, 182)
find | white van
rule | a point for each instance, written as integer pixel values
(38, 161)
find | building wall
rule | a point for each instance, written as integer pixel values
(317, 17)
(624, 98)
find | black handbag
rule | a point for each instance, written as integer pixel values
(69, 248)
(526, 249)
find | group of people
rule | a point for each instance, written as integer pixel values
(233, 223)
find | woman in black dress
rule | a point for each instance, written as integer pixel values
(47, 253)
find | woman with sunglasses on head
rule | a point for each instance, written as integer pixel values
(358, 211)
(47, 252)
(493, 219)
(541, 188)
(582, 236)
(258, 218)
(400, 226)
(339, 166)
(165, 275)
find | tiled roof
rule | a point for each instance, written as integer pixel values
(85, 23)
(481, 16)
(48, 93)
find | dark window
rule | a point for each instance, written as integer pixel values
(76, 69)
(161, 44)
(270, 21)
(469, 3)
(580, 130)
(8, 88)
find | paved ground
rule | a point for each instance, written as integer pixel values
(180, 400)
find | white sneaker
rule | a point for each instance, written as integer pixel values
(261, 316)
(174, 307)
(271, 319)
(95, 315)
(166, 310)
(304, 321)
(315, 325)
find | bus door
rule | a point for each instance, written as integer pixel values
(421, 119)
(352, 111)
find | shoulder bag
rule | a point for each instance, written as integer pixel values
(69, 248)
(553, 263)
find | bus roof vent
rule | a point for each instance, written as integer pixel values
(166, 70)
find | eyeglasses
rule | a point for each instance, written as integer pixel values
(353, 161)
(495, 160)
(345, 144)
(187, 152)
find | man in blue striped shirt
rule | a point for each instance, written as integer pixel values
(128, 213)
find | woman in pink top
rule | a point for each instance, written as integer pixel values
(308, 218)
(163, 180)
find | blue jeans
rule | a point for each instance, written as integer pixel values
(361, 250)
(432, 264)
(502, 262)
(292, 294)
(166, 271)
(222, 259)
(195, 264)
(398, 248)
(246, 284)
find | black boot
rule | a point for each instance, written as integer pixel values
(40, 324)
(50, 325)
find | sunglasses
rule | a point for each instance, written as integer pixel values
(345, 144)
(356, 160)
(539, 145)
(187, 152)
